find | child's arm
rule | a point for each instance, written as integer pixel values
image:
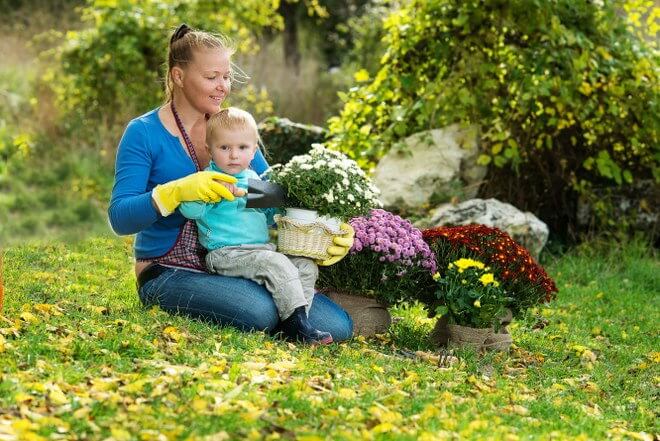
(270, 214)
(193, 209)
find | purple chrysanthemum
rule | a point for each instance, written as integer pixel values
(395, 238)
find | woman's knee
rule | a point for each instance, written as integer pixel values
(343, 329)
(326, 315)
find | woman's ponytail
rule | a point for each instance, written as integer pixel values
(178, 34)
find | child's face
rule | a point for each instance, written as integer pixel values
(233, 150)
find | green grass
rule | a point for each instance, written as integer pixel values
(80, 358)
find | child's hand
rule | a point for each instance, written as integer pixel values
(235, 190)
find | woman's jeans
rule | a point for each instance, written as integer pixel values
(233, 301)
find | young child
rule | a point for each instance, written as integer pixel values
(237, 237)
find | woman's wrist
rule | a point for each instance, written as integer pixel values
(154, 203)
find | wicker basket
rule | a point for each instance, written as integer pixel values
(298, 238)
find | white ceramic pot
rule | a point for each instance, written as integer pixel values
(302, 214)
(332, 222)
(309, 216)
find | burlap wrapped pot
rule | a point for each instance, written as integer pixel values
(445, 334)
(370, 316)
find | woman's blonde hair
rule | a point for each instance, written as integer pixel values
(231, 118)
(184, 42)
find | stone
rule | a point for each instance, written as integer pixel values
(430, 167)
(524, 227)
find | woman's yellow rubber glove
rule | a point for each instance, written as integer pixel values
(342, 244)
(201, 186)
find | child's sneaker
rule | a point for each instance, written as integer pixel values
(297, 327)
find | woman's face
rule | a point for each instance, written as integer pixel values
(206, 80)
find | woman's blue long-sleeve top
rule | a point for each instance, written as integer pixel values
(149, 155)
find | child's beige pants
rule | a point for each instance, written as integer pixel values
(289, 279)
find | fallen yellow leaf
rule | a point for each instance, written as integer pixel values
(173, 334)
(517, 409)
(29, 317)
(56, 396)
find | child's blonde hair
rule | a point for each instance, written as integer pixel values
(231, 118)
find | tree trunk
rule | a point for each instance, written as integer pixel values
(291, 49)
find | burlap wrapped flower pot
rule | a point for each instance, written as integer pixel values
(370, 316)
(500, 340)
(462, 336)
(496, 340)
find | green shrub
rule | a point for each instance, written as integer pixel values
(566, 95)
(285, 139)
(113, 67)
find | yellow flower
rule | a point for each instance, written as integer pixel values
(477, 303)
(436, 276)
(464, 282)
(464, 263)
(487, 279)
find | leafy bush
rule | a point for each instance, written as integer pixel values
(285, 139)
(117, 61)
(366, 35)
(566, 95)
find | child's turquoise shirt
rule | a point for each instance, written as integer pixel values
(229, 223)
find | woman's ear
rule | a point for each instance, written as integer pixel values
(177, 76)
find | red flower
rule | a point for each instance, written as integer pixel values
(523, 277)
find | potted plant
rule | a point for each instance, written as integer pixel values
(324, 188)
(389, 262)
(474, 298)
(524, 281)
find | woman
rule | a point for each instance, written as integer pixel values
(158, 166)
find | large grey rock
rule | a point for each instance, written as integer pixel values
(430, 167)
(523, 227)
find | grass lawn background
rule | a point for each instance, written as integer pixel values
(81, 359)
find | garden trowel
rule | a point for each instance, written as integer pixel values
(264, 194)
